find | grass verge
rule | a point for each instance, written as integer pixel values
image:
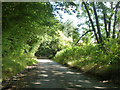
(11, 65)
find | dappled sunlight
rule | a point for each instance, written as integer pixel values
(78, 85)
(69, 72)
(63, 67)
(54, 71)
(43, 71)
(50, 74)
(45, 80)
(100, 87)
(37, 83)
(43, 75)
(84, 81)
(58, 73)
(44, 60)
(40, 31)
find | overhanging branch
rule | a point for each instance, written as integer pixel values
(83, 35)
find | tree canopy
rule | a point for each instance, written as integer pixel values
(27, 27)
(31, 29)
(101, 17)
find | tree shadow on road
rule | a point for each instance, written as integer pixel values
(49, 74)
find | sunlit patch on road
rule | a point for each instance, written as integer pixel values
(49, 74)
(44, 60)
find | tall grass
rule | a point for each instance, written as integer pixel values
(14, 64)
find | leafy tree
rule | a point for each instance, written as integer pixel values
(53, 41)
(70, 31)
(99, 17)
(24, 27)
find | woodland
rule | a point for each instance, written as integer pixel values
(31, 30)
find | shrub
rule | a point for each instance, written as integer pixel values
(90, 58)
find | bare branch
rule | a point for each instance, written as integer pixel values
(83, 35)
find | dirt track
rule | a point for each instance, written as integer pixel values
(49, 74)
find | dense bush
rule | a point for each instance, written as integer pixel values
(90, 58)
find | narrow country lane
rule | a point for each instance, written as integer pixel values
(49, 74)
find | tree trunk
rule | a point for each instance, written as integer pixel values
(105, 22)
(109, 28)
(109, 22)
(91, 22)
(97, 23)
(115, 21)
(118, 35)
(114, 25)
(105, 19)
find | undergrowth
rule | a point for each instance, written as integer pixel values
(91, 59)
(16, 64)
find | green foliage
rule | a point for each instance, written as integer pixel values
(24, 24)
(90, 58)
(31, 28)
(52, 43)
(27, 27)
(15, 65)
